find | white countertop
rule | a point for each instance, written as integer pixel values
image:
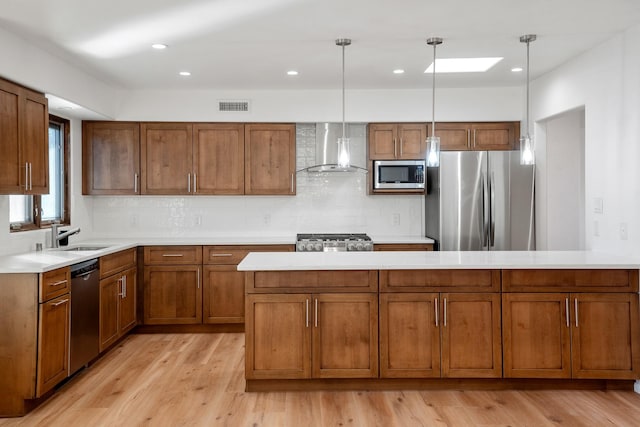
(265, 261)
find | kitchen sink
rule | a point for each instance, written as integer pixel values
(83, 248)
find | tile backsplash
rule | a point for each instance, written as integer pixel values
(328, 202)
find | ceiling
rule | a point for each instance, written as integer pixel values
(251, 44)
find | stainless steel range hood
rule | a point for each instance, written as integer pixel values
(326, 148)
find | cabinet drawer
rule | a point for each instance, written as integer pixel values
(172, 255)
(54, 283)
(114, 263)
(439, 280)
(570, 280)
(312, 281)
(233, 254)
(403, 246)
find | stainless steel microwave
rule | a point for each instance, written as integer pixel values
(398, 174)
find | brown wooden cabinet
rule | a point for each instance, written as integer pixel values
(478, 136)
(110, 158)
(24, 132)
(403, 246)
(454, 335)
(311, 336)
(389, 141)
(53, 343)
(270, 159)
(218, 158)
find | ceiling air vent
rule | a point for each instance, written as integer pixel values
(241, 106)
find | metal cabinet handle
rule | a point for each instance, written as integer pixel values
(172, 255)
(198, 277)
(566, 310)
(292, 183)
(30, 176)
(124, 286)
(400, 147)
(445, 313)
(189, 183)
(223, 255)
(60, 302)
(474, 138)
(195, 183)
(135, 182)
(58, 283)
(395, 148)
(468, 138)
(26, 176)
(306, 322)
(575, 306)
(121, 293)
(316, 313)
(435, 306)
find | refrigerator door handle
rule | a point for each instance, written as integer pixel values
(492, 211)
(485, 214)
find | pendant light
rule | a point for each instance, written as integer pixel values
(344, 153)
(527, 149)
(433, 142)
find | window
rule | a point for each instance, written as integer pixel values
(31, 212)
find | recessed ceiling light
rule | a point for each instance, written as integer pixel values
(398, 71)
(463, 65)
(185, 73)
(159, 46)
(292, 72)
(516, 69)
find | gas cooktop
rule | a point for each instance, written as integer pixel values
(333, 242)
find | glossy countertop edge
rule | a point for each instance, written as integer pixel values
(404, 260)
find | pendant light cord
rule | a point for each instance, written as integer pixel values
(528, 122)
(343, 103)
(433, 97)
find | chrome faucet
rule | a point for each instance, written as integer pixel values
(55, 237)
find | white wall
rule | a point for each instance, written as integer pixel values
(605, 82)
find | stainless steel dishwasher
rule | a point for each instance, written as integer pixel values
(85, 314)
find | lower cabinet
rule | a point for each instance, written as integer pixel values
(296, 336)
(454, 335)
(571, 335)
(403, 247)
(53, 343)
(223, 294)
(172, 294)
(117, 306)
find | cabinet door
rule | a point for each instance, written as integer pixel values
(278, 337)
(412, 141)
(383, 143)
(223, 294)
(110, 289)
(167, 153)
(345, 336)
(127, 302)
(12, 169)
(403, 247)
(494, 136)
(605, 336)
(35, 141)
(454, 136)
(270, 159)
(110, 158)
(172, 295)
(219, 158)
(471, 337)
(53, 343)
(409, 335)
(536, 335)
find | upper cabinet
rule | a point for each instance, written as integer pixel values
(218, 158)
(24, 146)
(270, 159)
(110, 158)
(389, 141)
(478, 136)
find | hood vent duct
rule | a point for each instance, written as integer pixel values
(327, 147)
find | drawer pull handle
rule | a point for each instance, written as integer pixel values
(60, 302)
(222, 255)
(58, 283)
(172, 255)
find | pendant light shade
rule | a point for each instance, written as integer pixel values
(344, 151)
(433, 142)
(527, 147)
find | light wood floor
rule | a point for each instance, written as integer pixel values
(198, 380)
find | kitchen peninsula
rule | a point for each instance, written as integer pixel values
(389, 320)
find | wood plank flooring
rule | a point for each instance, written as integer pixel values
(198, 380)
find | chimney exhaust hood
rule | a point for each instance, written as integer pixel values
(326, 148)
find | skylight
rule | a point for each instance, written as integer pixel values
(463, 65)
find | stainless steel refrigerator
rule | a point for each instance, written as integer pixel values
(480, 200)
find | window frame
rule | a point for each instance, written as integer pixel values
(36, 202)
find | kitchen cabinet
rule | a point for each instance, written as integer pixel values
(389, 141)
(118, 275)
(478, 136)
(571, 324)
(323, 335)
(223, 284)
(270, 159)
(403, 246)
(53, 343)
(24, 131)
(110, 158)
(218, 158)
